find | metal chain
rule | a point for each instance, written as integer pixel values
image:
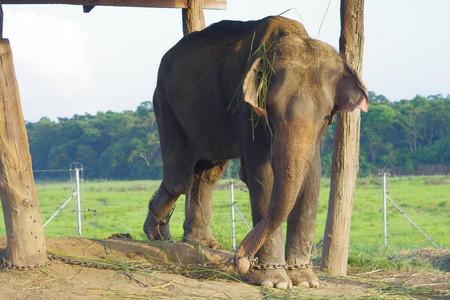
(139, 266)
(255, 266)
(5, 264)
(281, 266)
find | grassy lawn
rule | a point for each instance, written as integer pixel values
(121, 207)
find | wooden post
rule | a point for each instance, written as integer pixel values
(25, 235)
(193, 18)
(346, 150)
(1, 20)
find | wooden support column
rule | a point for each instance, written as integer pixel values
(24, 231)
(193, 18)
(346, 150)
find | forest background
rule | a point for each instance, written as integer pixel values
(401, 136)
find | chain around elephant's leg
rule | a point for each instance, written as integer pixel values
(156, 225)
(271, 253)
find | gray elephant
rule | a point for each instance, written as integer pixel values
(261, 91)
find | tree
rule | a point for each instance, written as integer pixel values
(375, 125)
(145, 140)
(408, 120)
(40, 143)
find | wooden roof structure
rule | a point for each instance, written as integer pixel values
(89, 4)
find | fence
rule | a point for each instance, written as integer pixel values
(385, 196)
(320, 233)
(75, 169)
(377, 230)
(233, 220)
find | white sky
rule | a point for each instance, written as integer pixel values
(68, 62)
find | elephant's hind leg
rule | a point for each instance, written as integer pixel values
(156, 226)
(199, 204)
(301, 228)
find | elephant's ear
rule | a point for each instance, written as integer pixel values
(352, 93)
(250, 87)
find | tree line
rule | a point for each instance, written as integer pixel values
(125, 145)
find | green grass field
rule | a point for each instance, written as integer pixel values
(121, 207)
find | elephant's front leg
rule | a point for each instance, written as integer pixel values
(301, 227)
(259, 182)
(199, 205)
(271, 253)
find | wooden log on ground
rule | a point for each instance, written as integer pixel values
(25, 235)
(129, 250)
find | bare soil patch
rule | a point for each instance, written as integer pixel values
(59, 280)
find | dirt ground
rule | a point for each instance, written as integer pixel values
(131, 278)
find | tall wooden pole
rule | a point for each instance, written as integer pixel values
(25, 235)
(193, 18)
(1, 20)
(346, 150)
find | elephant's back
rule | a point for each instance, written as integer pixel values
(237, 30)
(221, 39)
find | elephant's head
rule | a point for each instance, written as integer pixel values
(321, 73)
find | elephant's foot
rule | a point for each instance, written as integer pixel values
(156, 230)
(304, 278)
(203, 237)
(277, 278)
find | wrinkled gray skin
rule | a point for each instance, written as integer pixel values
(196, 83)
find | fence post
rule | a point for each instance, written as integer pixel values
(384, 210)
(77, 177)
(233, 230)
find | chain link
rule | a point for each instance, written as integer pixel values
(11, 266)
(140, 266)
(281, 266)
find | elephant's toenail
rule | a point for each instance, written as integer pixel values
(267, 283)
(282, 285)
(304, 284)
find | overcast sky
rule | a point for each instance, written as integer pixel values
(68, 62)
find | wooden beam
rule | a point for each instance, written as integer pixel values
(346, 150)
(207, 4)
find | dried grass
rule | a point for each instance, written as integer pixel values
(265, 72)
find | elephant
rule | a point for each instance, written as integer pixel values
(262, 91)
